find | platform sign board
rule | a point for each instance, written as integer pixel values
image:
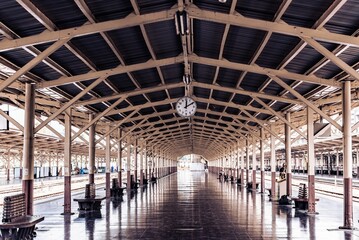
(4, 123)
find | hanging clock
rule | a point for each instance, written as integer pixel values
(186, 107)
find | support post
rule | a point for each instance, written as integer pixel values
(311, 162)
(273, 162)
(254, 165)
(262, 160)
(28, 152)
(347, 157)
(67, 163)
(128, 163)
(288, 156)
(91, 151)
(108, 167)
(135, 152)
(119, 158)
(247, 160)
(141, 164)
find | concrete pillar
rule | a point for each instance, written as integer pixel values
(135, 152)
(247, 160)
(273, 163)
(8, 165)
(238, 161)
(254, 164)
(119, 157)
(91, 151)
(288, 155)
(146, 162)
(28, 149)
(311, 161)
(347, 157)
(242, 167)
(262, 160)
(67, 163)
(141, 164)
(337, 162)
(108, 166)
(128, 163)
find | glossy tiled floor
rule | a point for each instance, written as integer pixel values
(193, 205)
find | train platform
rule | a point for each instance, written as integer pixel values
(194, 205)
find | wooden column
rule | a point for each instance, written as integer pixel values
(273, 163)
(262, 160)
(108, 165)
(91, 151)
(254, 164)
(348, 157)
(128, 163)
(288, 156)
(119, 157)
(28, 152)
(67, 163)
(311, 162)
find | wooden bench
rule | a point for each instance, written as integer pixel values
(133, 184)
(90, 202)
(301, 202)
(15, 223)
(116, 191)
(250, 185)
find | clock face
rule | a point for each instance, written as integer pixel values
(186, 107)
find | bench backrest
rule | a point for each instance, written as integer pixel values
(90, 190)
(114, 183)
(14, 208)
(302, 193)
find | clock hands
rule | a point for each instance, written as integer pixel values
(189, 104)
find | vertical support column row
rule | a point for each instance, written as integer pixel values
(288, 155)
(108, 167)
(28, 153)
(347, 154)
(91, 151)
(136, 161)
(128, 143)
(272, 162)
(141, 164)
(247, 160)
(254, 164)
(311, 162)
(262, 160)
(119, 157)
(67, 163)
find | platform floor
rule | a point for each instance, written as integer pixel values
(195, 205)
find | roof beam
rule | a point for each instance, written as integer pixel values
(245, 92)
(264, 71)
(268, 26)
(309, 103)
(87, 29)
(110, 72)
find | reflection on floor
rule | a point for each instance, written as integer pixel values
(194, 205)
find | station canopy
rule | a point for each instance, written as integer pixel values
(246, 64)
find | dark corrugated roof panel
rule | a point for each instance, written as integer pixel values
(131, 45)
(305, 13)
(259, 9)
(242, 43)
(207, 38)
(109, 10)
(149, 6)
(63, 13)
(18, 19)
(164, 40)
(97, 51)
